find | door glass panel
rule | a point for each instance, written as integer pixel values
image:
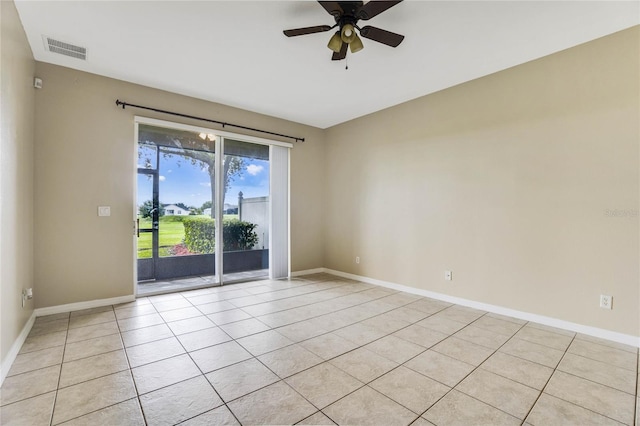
(176, 172)
(187, 186)
(245, 229)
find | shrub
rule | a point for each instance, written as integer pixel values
(199, 234)
(238, 235)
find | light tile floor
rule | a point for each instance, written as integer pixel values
(313, 350)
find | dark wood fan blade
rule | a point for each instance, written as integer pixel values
(381, 36)
(374, 8)
(307, 30)
(337, 56)
(333, 7)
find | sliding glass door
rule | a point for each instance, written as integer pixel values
(203, 218)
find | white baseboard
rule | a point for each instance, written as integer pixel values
(626, 339)
(70, 307)
(7, 362)
(308, 272)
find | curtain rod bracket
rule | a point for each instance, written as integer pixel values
(125, 104)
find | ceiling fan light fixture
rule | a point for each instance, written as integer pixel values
(335, 43)
(356, 45)
(205, 136)
(348, 33)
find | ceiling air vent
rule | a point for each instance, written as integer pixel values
(67, 49)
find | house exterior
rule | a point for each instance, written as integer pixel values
(228, 209)
(173, 210)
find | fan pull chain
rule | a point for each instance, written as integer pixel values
(346, 64)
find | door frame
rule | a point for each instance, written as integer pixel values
(219, 149)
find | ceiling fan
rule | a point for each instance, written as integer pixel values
(347, 14)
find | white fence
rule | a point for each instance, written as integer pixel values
(256, 210)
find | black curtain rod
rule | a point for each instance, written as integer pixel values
(224, 124)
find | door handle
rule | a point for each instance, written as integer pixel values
(137, 225)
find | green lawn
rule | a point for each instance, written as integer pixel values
(171, 232)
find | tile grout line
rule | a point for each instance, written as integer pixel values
(106, 375)
(135, 385)
(636, 413)
(129, 370)
(202, 373)
(224, 402)
(574, 375)
(64, 349)
(296, 307)
(295, 343)
(283, 380)
(339, 310)
(254, 357)
(366, 384)
(472, 371)
(162, 387)
(593, 382)
(549, 379)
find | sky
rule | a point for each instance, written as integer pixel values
(182, 182)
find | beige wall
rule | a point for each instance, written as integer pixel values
(85, 158)
(16, 176)
(506, 181)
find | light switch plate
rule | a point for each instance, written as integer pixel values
(104, 211)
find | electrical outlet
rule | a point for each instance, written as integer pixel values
(606, 302)
(448, 275)
(357, 259)
(27, 294)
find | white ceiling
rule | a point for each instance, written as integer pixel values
(234, 52)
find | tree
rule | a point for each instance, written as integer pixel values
(206, 205)
(146, 207)
(197, 151)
